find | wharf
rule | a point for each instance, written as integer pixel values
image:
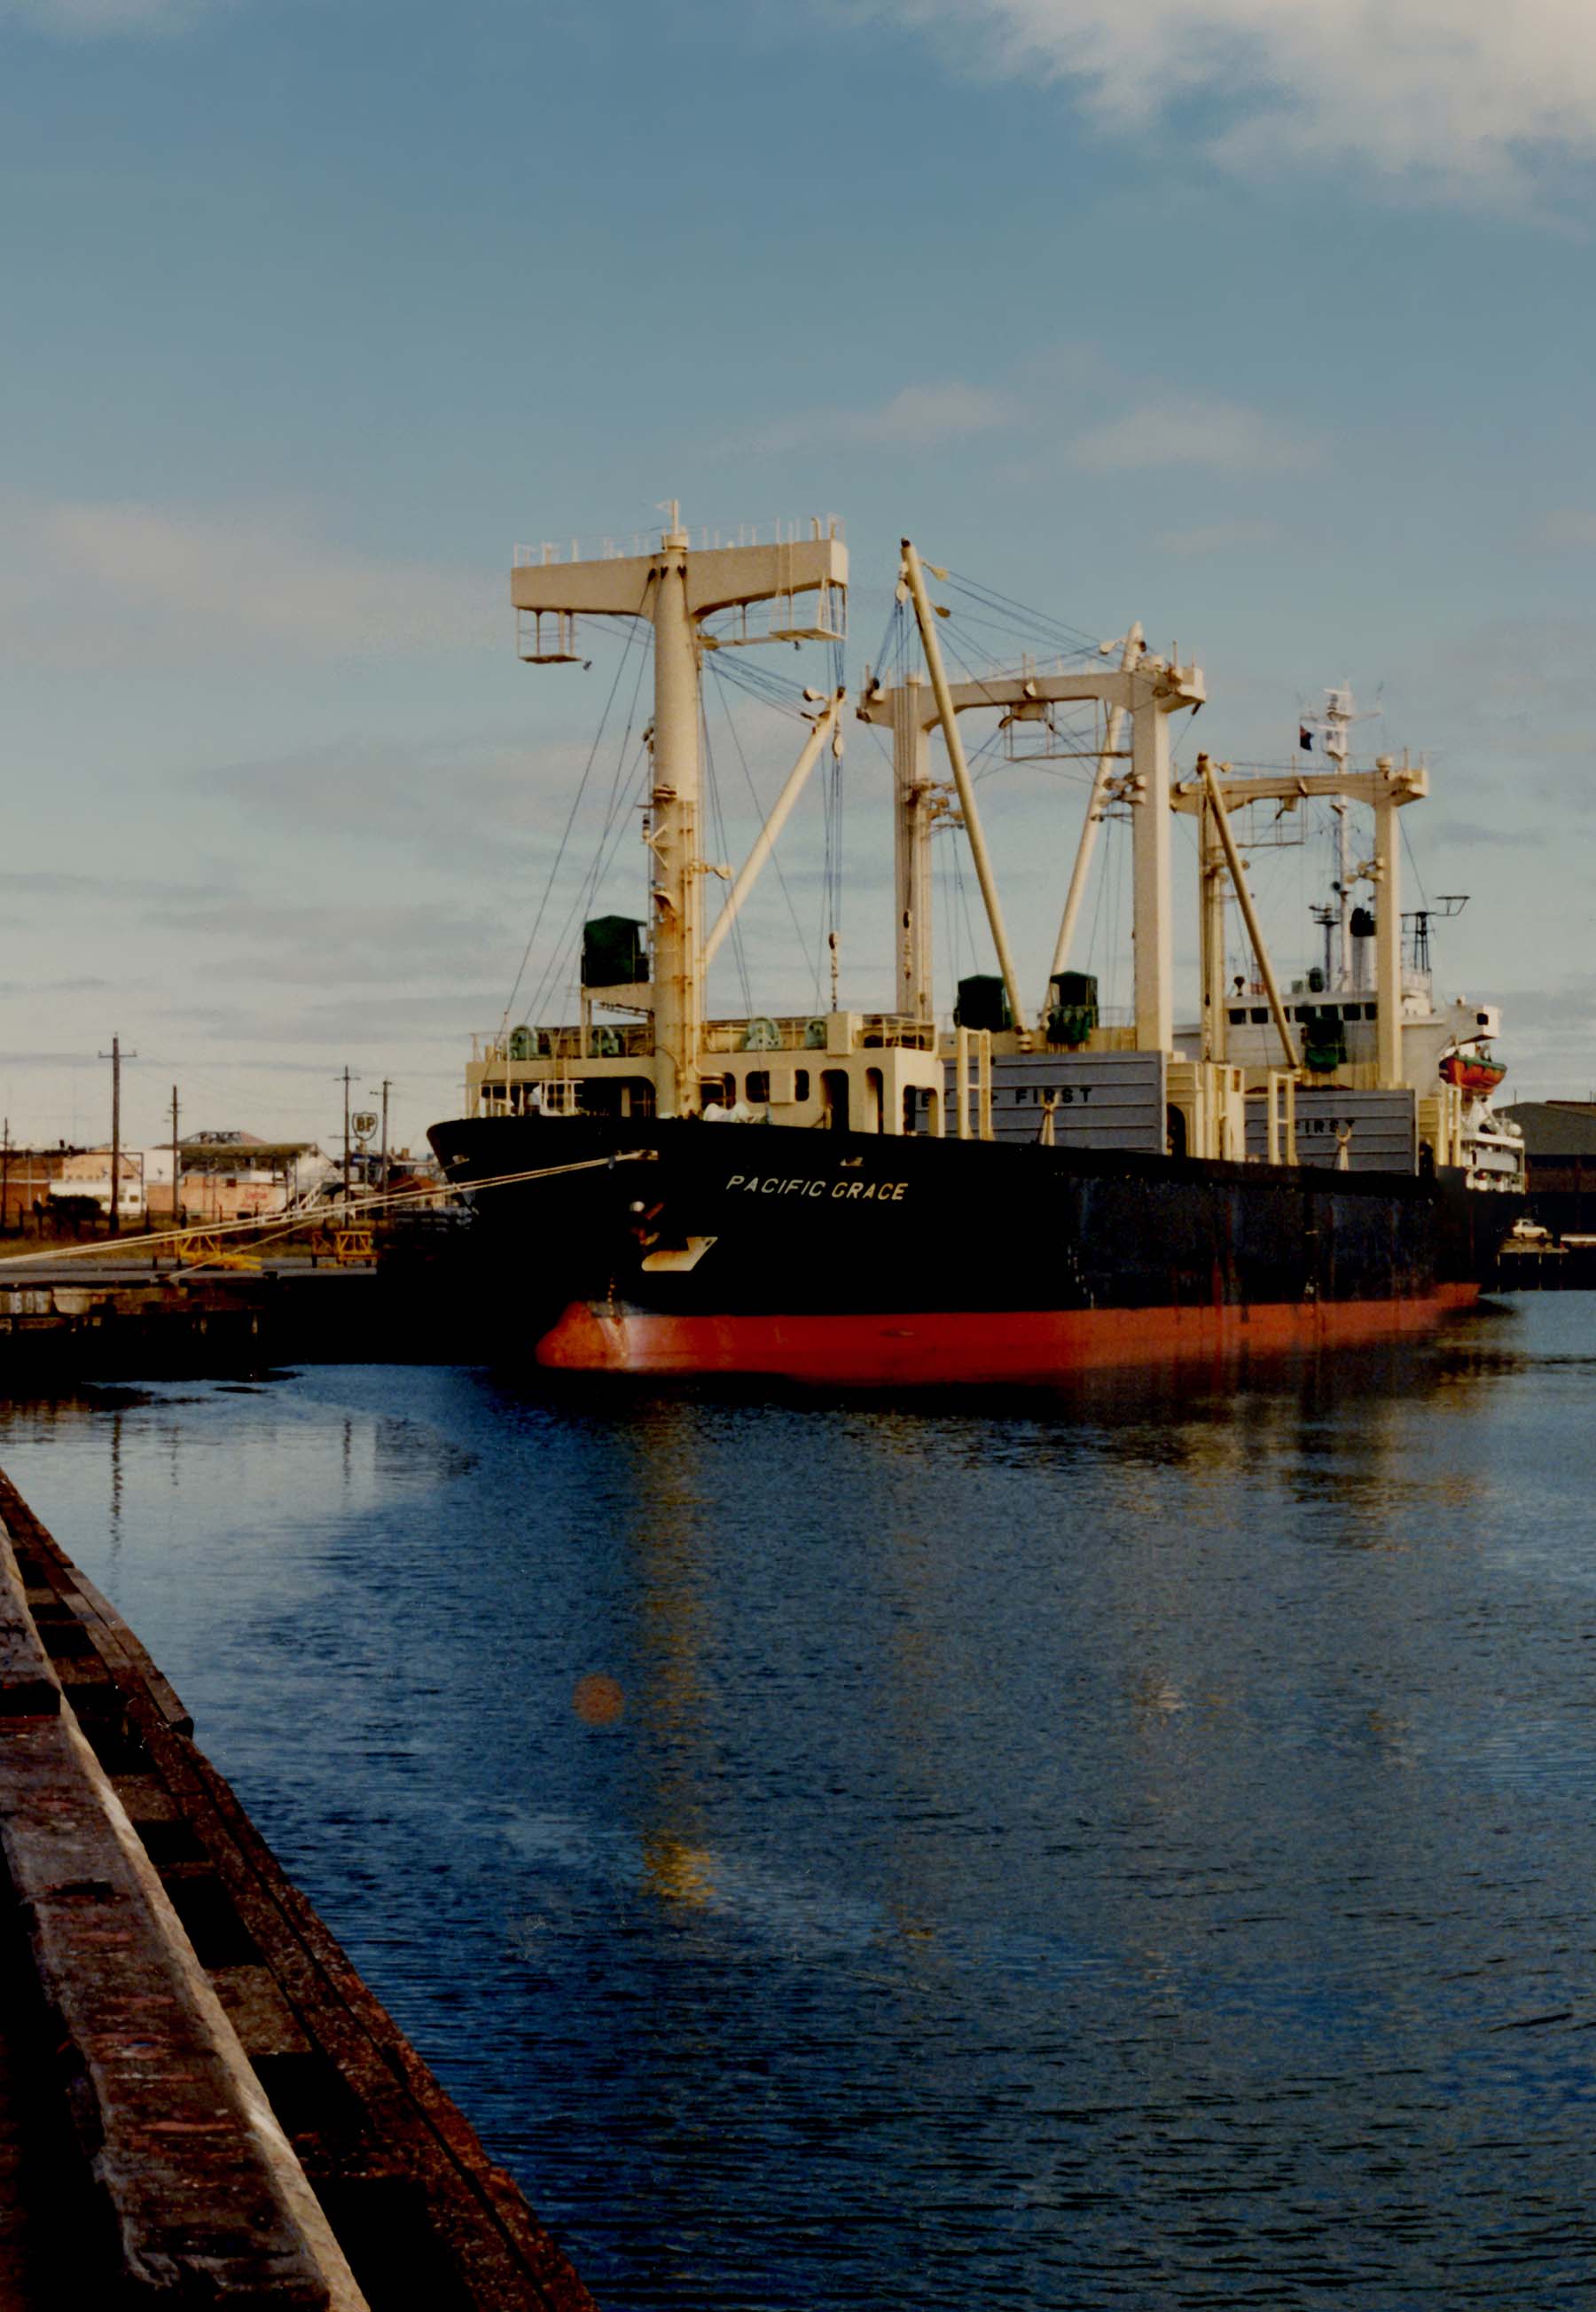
(200, 2100)
(1555, 1264)
(63, 1319)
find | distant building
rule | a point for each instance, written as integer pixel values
(226, 1176)
(1560, 1162)
(27, 1175)
(87, 1173)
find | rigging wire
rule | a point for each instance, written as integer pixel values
(562, 953)
(562, 968)
(944, 946)
(760, 814)
(723, 846)
(1021, 614)
(570, 823)
(833, 795)
(894, 619)
(610, 807)
(1423, 897)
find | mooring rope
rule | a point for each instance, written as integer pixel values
(326, 1215)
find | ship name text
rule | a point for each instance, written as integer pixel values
(883, 1192)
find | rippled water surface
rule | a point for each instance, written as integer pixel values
(1133, 1848)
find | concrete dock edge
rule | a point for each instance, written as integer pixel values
(208, 2200)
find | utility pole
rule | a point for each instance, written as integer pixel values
(5, 1173)
(346, 1133)
(177, 1172)
(387, 1088)
(115, 1055)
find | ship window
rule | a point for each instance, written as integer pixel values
(1259, 1015)
(1236, 1018)
(757, 1086)
(801, 1083)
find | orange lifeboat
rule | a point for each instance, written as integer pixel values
(1472, 1072)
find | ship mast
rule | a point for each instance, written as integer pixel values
(675, 588)
(1338, 719)
(1147, 690)
(1385, 789)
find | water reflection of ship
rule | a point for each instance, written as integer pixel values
(1026, 1192)
(668, 1641)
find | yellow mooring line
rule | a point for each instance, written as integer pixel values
(207, 1241)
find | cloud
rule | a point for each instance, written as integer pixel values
(1217, 538)
(123, 583)
(1221, 434)
(432, 796)
(372, 1022)
(348, 944)
(1455, 97)
(1569, 530)
(917, 417)
(79, 18)
(34, 988)
(1471, 834)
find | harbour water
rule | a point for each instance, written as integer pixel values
(1125, 1847)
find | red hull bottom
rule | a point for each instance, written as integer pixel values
(976, 1346)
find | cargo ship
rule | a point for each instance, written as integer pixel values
(874, 1197)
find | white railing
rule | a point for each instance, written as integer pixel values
(613, 1040)
(552, 551)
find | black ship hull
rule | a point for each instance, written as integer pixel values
(680, 1247)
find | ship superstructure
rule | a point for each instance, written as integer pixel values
(1364, 1019)
(1303, 1163)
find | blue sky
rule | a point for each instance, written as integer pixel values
(1267, 321)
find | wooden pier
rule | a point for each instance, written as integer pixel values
(63, 1320)
(201, 2102)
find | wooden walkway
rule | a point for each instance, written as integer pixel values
(200, 2100)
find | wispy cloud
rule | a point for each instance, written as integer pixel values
(357, 944)
(1569, 530)
(1471, 834)
(1217, 538)
(76, 19)
(917, 417)
(84, 583)
(1462, 98)
(1221, 434)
